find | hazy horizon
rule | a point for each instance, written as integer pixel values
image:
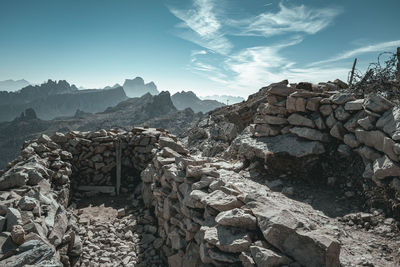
(205, 46)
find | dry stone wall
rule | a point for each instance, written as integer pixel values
(35, 223)
(210, 215)
(303, 124)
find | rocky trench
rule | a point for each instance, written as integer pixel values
(187, 210)
(59, 205)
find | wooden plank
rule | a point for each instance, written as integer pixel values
(398, 64)
(100, 189)
(118, 163)
(352, 72)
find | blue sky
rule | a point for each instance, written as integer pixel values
(207, 46)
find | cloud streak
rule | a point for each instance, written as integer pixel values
(206, 25)
(358, 51)
(295, 19)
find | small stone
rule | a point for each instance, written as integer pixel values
(121, 213)
(18, 234)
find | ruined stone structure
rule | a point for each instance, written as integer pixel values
(208, 212)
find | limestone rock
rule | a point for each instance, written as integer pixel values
(262, 130)
(390, 123)
(377, 103)
(280, 90)
(351, 140)
(367, 153)
(313, 103)
(341, 114)
(338, 131)
(33, 252)
(237, 218)
(14, 177)
(279, 227)
(13, 217)
(310, 134)
(354, 105)
(176, 146)
(377, 140)
(271, 109)
(366, 123)
(27, 203)
(246, 259)
(325, 110)
(342, 98)
(384, 167)
(221, 201)
(268, 258)
(18, 234)
(274, 120)
(283, 144)
(299, 120)
(295, 104)
(226, 239)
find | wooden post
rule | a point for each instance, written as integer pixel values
(118, 164)
(352, 72)
(398, 64)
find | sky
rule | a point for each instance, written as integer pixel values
(211, 47)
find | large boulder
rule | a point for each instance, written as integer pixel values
(282, 229)
(33, 252)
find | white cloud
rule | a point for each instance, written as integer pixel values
(296, 19)
(204, 25)
(252, 67)
(380, 47)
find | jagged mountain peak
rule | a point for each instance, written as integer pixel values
(137, 87)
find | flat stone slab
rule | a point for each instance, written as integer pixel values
(283, 144)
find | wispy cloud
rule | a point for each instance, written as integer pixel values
(297, 19)
(358, 51)
(234, 68)
(204, 26)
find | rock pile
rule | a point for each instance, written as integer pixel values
(35, 224)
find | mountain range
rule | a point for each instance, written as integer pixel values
(53, 99)
(13, 85)
(154, 111)
(60, 99)
(189, 99)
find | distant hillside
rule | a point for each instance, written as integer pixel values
(55, 99)
(183, 100)
(12, 85)
(137, 87)
(226, 99)
(154, 111)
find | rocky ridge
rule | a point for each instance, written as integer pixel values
(55, 99)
